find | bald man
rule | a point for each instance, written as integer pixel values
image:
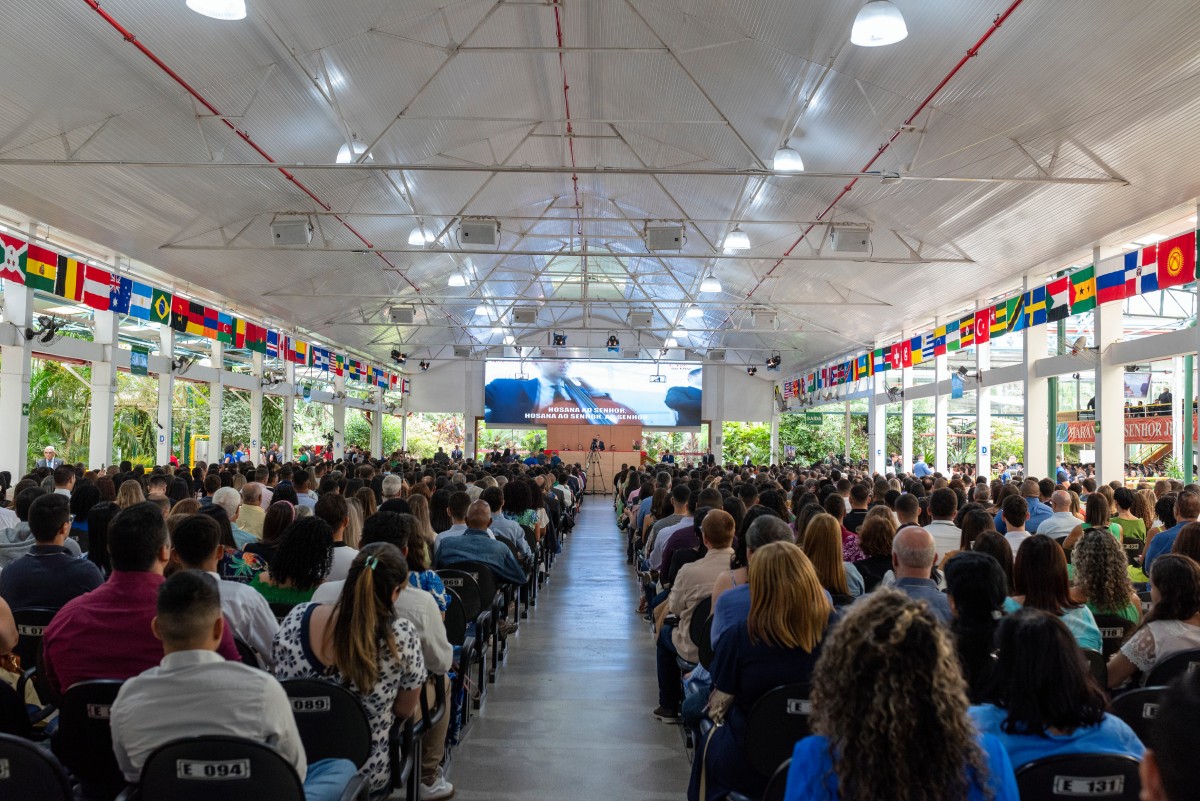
(1062, 521)
(913, 555)
(476, 545)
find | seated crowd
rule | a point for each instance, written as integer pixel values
(933, 635)
(201, 591)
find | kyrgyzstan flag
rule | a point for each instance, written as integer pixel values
(1177, 260)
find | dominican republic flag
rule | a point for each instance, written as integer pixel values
(97, 288)
(1058, 299)
(1141, 271)
(1110, 279)
(1177, 260)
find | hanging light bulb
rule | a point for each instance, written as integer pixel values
(420, 236)
(219, 9)
(345, 155)
(787, 159)
(710, 284)
(694, 311)
(457, 279)
(737, 239)
(878, 23)
(671, 342)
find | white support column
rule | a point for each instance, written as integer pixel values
(773, 458)
(104, 392)
(716, 438)
(906, 420)
(1110, 392)
(1178, 420)
(878, 425)
(15, 373)
(289, 412)
(216, 403)
(983, 409)
(1037, 399)
(256, 404)
(404, 429)
(166, 396)
(848, 427)
(339, 418)
(377, 423)
(941, 413)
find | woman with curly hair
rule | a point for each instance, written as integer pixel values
(1102, 577)
(1173, 624)
(301, 563)
(1043, 700)
(778, 643)
(904, 735)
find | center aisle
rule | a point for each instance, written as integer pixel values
(569, 714)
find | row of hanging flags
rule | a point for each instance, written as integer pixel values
(40, 268)
(1169, 263)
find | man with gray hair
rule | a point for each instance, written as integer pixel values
(1062, 522)
(733, 605)
(392, 486)
(913, 555)
(230, 500)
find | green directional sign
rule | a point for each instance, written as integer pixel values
(812, 418)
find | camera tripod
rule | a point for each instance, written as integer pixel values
(595, 474)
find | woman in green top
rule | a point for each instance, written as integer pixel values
(1132, 526)
(1101, 579)
(302, 560)
(1095, 517)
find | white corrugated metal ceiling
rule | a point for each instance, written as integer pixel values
(1067, 89)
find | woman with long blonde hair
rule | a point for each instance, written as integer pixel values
(890, 715)
(130, 493)
(777, 644)
(823, 546)
(418, 507)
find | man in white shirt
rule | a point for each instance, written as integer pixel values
(333, 509)
(1016, 513)
(943, 504)
(197, 543)
(457, 507)
(1062, 522)
(64, 479)
(657, 540)
(301, 480)
(194, 692)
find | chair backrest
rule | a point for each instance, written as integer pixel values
(467, 588)
(700, 627)
(83, 740)
(843, 600)
(331, 720)
(14, 716)
(1139, 709)
(1113, 631)
(778, 784)
(1097, 665)
(247, 653)
(777, 722)
(485, 578)
(1174, 665)
(229, 768)
(1146, 600)
(280, 611)
(456, 618)
(31, 625)
(1105, 776)
(31, 773)
(530, 538)
(1133, 548)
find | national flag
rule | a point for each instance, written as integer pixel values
(355, 368)
(787, 390)
(862, 366)
(880, 361)
(15, 251)
(966, 331)
(928, 347)
(210, 322)
(299, 351)
(1083, 290)
(1177, 260)
(906, 353)
(41, 268)
(916, 354)
(405, 386)
(1141, 271)
(225, 328)
(381, 378)
(983, 325)
(160, 306)
(239, 332)
(256, 338)
(896, 356)
(339, 364)
(272, 344)
(1110, 279)
(953, 341)
(320, 359)
(795, 384)
(180, 313)
(939, 341)
(119, 295)
(97, 284)
(1058, 299)
(141, 299)
(999, 319)
(68, 283)
(1015, 310)
(1035, 306)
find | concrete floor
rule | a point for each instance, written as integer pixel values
(569, 714)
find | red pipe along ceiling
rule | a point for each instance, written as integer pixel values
(974, 51)
(245, 137)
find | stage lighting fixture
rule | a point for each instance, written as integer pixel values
(560, 340)
(399, 358)
(424, 366)
(751, 371)
(613, 344)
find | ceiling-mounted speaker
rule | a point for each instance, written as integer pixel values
(548, 353)
(640, 320)
(850, 239)
(401, 315)
(716, 355)
(524, 315)
(291, 231)
(479, 232)
(631, 353)
(462, 351)
(664, 238)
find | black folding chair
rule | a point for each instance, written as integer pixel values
(15, 718)
(466, 588)
(83, 740)
(31, 625)
(1146, 601)
(31, 773)
(249, 655)
(1106, 776)
(456, 632)
(1133, 548)
(1097, 665)
(1174, 665)
(280, 611)
(775, 787)
(1139, 709)
(1113, 631)
(491, 606)
(331, 720)
(229, 768)
(777, 721)
(700, 630)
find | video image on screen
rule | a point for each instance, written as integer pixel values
(597, 393)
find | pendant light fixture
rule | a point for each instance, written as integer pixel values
(420, 236)
(737, 239)
(710, 283)
(219, 9)
(345, 155)
(693, 311)
(456, 279)
(878, 23)
(787, 159)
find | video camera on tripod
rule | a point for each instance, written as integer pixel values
(597, 444)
